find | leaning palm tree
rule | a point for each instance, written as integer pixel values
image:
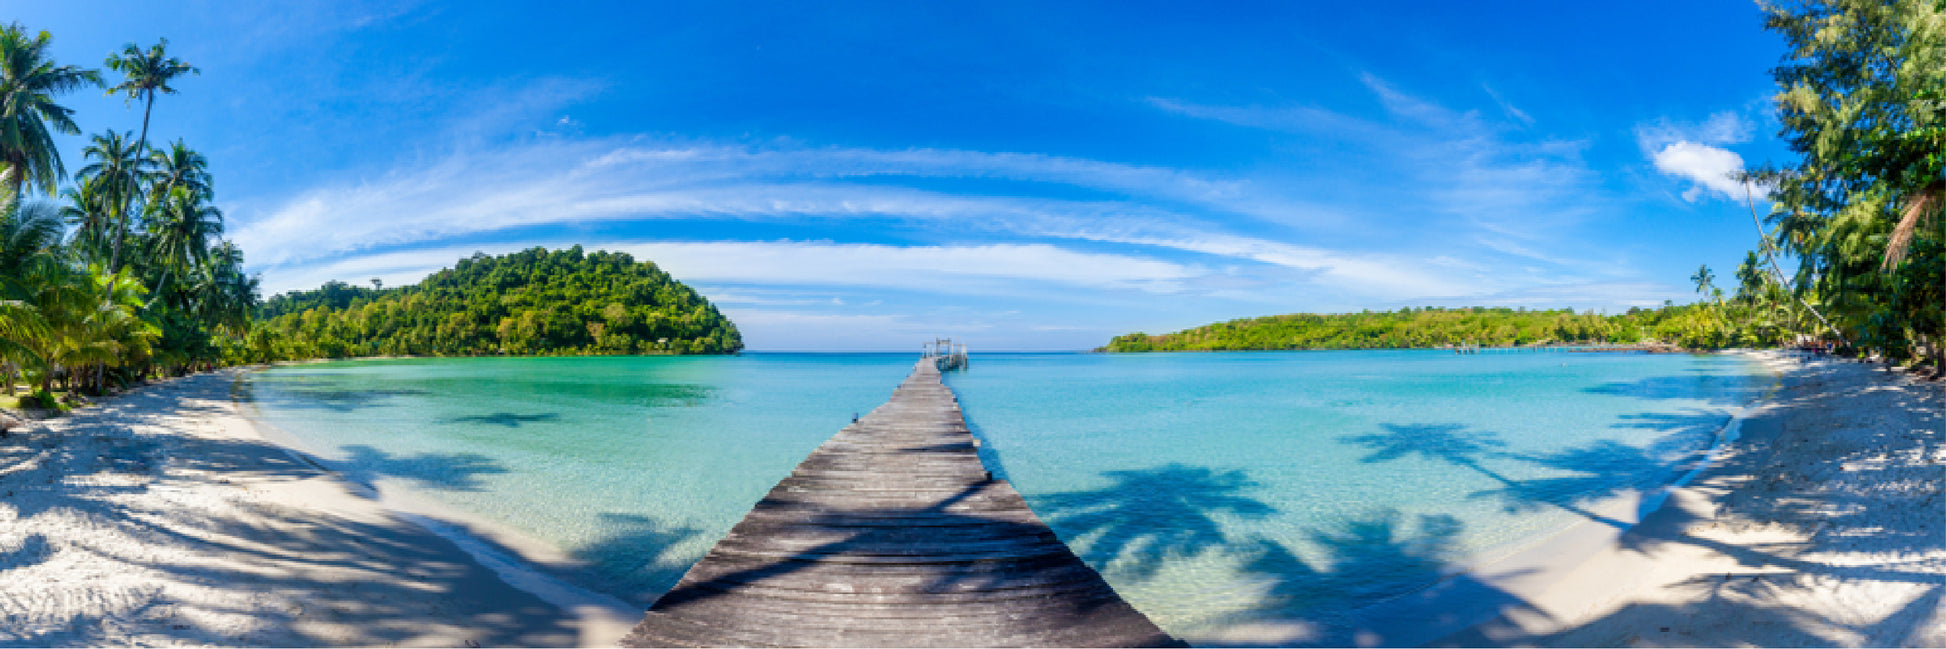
(144, 74)
(120, 168)
(29, 118)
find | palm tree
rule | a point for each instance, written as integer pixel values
(144, 74)
(1703, 279)
(226, 296)
(104, 330)
(30, 235)
(183, 167)
(87, 211)
(181, 231)
(119, 167)
(29, 81)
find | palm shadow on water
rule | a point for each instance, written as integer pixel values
(295, 396)
(507, 419)
(631, 559)
(1146, 517)
(443, 471)
(1332, 593)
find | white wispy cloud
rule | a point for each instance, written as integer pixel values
(568, 182)
(476, 195)
(981, 269)
(1508, 191)
(1696, 152)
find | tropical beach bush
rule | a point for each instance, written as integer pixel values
(533, 302)
(1862, 101)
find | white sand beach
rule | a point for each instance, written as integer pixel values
(162, 517)
(1822, 525)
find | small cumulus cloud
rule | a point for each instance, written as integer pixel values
(1698, 153)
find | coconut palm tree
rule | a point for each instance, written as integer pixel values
(226, 297)
(87, 211)
(144, 74)
(104, 328)
(29, 118)
(183, 228)
(30, 236)
(180, 166)
(118, 165)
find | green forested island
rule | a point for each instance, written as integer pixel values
(1429, 327)
(533, 302)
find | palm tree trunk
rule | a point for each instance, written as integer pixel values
(142, 143)
(121, 232)
(1770, 254)
(141, 146)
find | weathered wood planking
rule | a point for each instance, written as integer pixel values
(893, 534)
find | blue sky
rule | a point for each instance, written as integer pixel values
(842, 175)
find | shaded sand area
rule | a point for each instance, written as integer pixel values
(162, 518)
(1822, 525)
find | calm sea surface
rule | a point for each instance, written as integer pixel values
(1212, 490)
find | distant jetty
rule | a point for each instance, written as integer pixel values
(893, 534)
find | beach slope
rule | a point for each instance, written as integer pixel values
(1822, 525)
(162, 518)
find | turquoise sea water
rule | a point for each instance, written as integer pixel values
(1213, 490)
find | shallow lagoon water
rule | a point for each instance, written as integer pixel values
(1213, 490)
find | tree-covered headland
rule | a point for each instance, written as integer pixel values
(1851, 253)
(533, 302)
(1410, 328)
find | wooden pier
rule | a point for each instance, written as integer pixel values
(892, 533)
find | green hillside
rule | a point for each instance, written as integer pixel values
(533, 302)
(1428, 327)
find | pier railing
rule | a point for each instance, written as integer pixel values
(945, 354)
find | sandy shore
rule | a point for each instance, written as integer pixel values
(163, 518)
(1823, 524)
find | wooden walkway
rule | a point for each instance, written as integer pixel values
(893, 534)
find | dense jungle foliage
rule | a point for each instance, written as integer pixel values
(533, 302)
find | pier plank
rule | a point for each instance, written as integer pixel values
(892, 533)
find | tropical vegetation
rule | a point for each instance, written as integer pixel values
(1862, 101)
(534, 302)
(127, 276)
(1428, 327)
